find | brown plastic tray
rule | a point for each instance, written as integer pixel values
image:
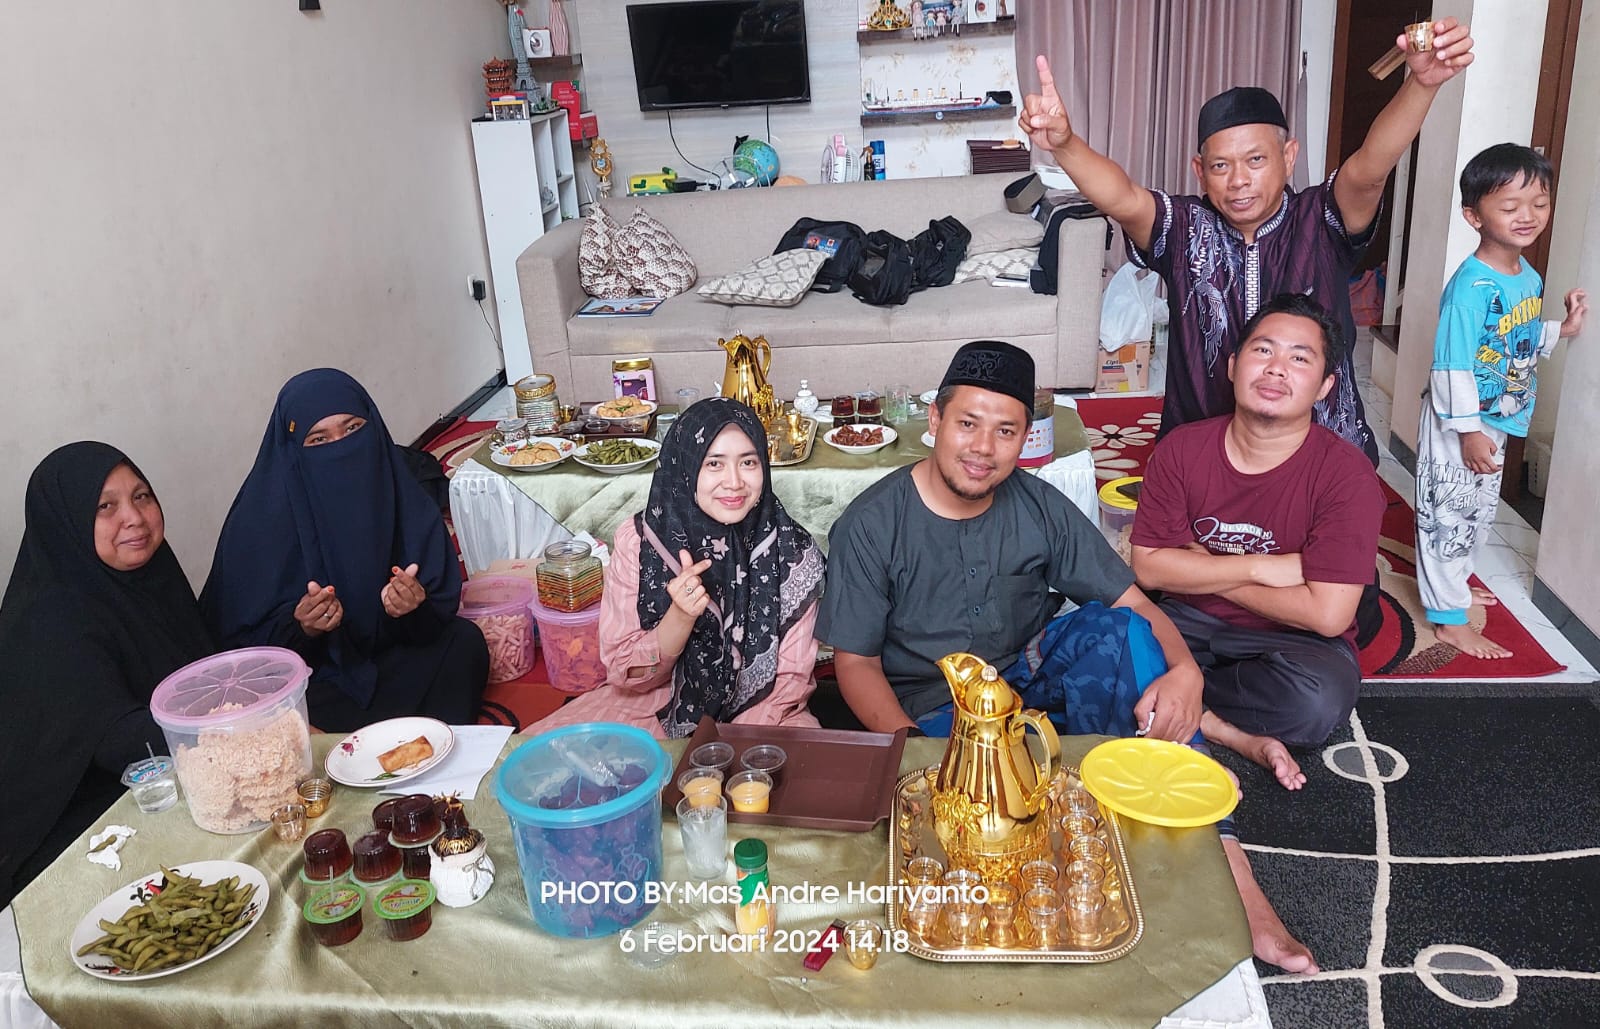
(833, 779)
(613, 430)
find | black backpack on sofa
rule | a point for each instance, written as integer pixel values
(885, 277)
(844, 242)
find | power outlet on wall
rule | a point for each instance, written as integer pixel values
(477, 289)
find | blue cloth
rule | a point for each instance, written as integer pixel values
(343, 514)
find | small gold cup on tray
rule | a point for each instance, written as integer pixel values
(1001, 914)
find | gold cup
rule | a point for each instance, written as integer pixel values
(315, 794)
(1419, 37)
(289, 822)
(863, 941)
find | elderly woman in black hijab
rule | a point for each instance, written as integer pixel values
(333, 550)
(97, 613)
(711, 592)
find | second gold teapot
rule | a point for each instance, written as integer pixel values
(745, 376)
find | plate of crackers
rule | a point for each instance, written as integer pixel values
(623, 409)
(385, 753)
(535, 455)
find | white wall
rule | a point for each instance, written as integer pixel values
(1492, 102)
(1569, 561)
(640, 142)
(203, 197)
(1317, 22)
(1569, 227)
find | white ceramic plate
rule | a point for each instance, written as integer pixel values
(141, 890)
(929, 397)
(598, 411)
(927, 440)
(354, 759)
(502, 455)
(618, 469)
(889, 436)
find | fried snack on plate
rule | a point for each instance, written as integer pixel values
(406, 754)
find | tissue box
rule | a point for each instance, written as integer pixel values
(1124, 370)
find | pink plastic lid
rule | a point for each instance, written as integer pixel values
(253, 679)
(542, 614)
(495, 595)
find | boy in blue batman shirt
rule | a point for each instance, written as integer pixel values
(1483, 383)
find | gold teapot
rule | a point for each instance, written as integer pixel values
(745, 377)
(990, 800)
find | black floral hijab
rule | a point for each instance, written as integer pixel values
(765, 573)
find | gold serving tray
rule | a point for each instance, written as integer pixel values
(1122, 923)
(802, 452)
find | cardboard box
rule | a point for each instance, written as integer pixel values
(1125, 371)
(585, 127)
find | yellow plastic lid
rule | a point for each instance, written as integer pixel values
(1111, 493)
(1159, 782)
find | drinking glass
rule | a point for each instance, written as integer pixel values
(1089, 848)
(897, 403)
(1085, 873)
(1043, 908)
(1038, 874)
(686, 398)
(704, 828)
(863, 940)
(963, 911)
(1084, 904)
(921, 897)
(869, 408)
(1002, 911)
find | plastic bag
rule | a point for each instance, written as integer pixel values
(1125, 310)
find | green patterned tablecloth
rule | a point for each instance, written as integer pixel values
(814, 493)
(489, 965)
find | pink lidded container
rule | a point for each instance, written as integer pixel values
(502, 607)
(237, 728)
(570, 641)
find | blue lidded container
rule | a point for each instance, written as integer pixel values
(584, 802)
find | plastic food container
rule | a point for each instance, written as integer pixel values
(236, 726)
(1119, 502)
(334, 914)
(571, 645)
(406, 908)
(499, 606)
(584, 802)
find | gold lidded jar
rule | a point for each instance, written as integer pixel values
(570, 577)
(537, 402)
(508, 431)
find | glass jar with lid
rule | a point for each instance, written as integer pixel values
(537, 402)
(569, 578)
(508, 431)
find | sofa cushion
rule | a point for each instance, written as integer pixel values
(1002, 264)
(973, 310)
(597, 257)
(653, 262)
(779, 280)
(1002, 230)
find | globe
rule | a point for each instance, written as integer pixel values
(757, 159)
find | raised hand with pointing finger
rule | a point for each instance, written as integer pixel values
(1044, 117)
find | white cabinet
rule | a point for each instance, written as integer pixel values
(525, 188)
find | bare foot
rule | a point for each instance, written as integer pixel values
(1469, 641)
(1263, 750)
(1484, 597)
(1269, 937)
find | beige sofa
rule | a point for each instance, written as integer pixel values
(833, 340)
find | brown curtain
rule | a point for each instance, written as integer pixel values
(1134, 73)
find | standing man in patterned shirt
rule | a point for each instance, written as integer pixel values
(1250, 237)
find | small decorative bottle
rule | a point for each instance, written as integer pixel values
(805, 401)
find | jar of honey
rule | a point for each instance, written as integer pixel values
(570, 577)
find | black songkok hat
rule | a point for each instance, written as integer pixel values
(997, 367)
(1241, 105)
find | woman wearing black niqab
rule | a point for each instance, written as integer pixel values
(333, 550)
(97, 613)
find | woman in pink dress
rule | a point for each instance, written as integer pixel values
(711, 593)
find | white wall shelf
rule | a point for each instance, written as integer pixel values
(517, 161)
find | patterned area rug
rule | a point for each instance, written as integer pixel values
(1442, 862)
(522, 701)
(1123, 431)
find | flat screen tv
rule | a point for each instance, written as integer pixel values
(719, 53)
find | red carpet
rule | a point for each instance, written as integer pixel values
(1121, 434)
(523, 701)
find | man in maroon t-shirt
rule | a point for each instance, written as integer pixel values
(1262, 529)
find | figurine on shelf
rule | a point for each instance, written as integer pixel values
(917, 31)
(600, 164)
(887, 17)
(516, 23)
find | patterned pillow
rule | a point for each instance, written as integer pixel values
(597, 266)
(654, 263)
(780, 280)
(1005, 264)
